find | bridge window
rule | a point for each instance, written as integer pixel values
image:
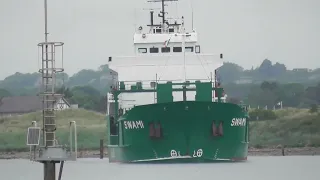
(177, 49)
(142, 50)
(157, 31)
(197, 49)
(189, 49)
(165, 49)
(154, 50)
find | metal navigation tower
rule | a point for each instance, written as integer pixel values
(44, 146)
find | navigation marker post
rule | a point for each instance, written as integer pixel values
(44, 147)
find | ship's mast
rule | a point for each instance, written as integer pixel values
(45, 21)
(162, 14)
(164, 21)
(184, 50)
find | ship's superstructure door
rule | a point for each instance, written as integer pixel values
(112, 125)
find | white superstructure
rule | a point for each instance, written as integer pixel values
(163, 52)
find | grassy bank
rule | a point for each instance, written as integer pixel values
(91, 127)
(293, 127)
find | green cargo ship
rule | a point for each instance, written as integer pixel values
(165, 106)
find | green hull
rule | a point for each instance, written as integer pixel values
(187, 133)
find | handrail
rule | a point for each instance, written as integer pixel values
(165, 80)
(36, 149)
(34, 123)
(75, 138)
(147, 84)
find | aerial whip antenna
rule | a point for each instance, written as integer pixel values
(191, 15)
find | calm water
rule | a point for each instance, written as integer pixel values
(257, 168)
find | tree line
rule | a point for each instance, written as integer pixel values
(267, 94)
(228, 73)
(272, 94)
(263, 86)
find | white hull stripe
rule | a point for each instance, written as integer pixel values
(178, 157)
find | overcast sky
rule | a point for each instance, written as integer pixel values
(246, 31)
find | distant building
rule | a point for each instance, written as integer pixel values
(302, 70)
(74, 106)
(244, 80)
(18, 105)
(314, 77)
(110, 78)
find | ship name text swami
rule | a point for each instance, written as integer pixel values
(238, 122)
(133, 124)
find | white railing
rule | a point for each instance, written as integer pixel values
(73, 131)
(33, 148)
(34, 137)
(150, 84)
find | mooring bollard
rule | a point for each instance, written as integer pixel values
(283, 151)
(101, 149)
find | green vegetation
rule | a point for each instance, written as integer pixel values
(291, 127)
(264, 86)
(91, 127)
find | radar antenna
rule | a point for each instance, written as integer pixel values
(162, 13)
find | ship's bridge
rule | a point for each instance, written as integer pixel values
(169, 42)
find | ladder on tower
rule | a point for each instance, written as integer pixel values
(46, 148)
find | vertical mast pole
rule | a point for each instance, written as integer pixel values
(163, 13)
(45, 21)
(45, 67)
(49, 167)
(191, 16)
(183, 50)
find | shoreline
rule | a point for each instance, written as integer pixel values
(301, 151)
